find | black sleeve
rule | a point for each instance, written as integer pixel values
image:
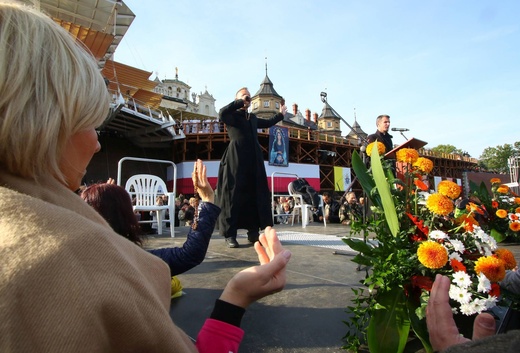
(227, 312)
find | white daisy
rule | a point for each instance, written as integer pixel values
(456, 256)
(459, 294)
(457, 245)
(437, 234)
(462, 279)
(484, 285)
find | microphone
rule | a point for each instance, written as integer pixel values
(399, 129)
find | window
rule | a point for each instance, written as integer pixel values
(329, 123)
(255, 105)
(277, 105)
(266, 104)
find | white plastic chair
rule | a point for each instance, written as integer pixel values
(305, 208)
(145, 188)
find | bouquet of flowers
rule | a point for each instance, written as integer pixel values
(411, 235)
(501, 209)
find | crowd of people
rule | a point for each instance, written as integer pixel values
(73, 274)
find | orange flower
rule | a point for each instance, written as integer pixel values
(468, 221)
(501, 213)
(513, 217)
(420, 184)
(472, 207)
(492, 267)
(517, 210)
(517, 200)
(432, 254)
(506, 256)
(424, 165)
(495, 290)
(495, 181)
(407, 155)
(380, 148)
(439, 204)
(449, 188)
(456, 265)
(503, 189)
(514, 226)
(494, 204)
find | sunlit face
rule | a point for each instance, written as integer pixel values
(77, 154)
(242, 95)
(384, 124)
(326, 199)
(351, 198)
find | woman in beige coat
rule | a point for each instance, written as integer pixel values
(67, 281)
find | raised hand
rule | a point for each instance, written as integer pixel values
(201, 184)
(257, 282)
(441, 325)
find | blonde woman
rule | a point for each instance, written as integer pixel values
(68, 282)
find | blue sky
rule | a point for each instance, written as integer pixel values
(447, 70)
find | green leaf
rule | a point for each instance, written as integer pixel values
(384, 192)
(499, 237)
(358, 245)
(419, 327)
(389, 328)
(366, 181)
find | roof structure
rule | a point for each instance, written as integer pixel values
(266, 87)
(328, 112)
(99, 24)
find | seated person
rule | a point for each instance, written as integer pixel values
(330, 210)
(351, 210)
(286, 210)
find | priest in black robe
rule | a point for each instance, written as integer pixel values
(242, 191)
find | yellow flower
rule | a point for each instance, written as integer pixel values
(449, 188)
(506, 256)
(432, 254)
(407, 155)
(492, 267)
(503, 189)
(380, 148)
(439, 204)
(424, 165)
(501, 213)
(495, 181)
(514, 226)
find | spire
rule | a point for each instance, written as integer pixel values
(266, 87)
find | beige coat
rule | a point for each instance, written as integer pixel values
(68, 283)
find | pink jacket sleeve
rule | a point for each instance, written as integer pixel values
(219, 337)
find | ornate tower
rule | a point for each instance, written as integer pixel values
(266, 102)
(328, 121)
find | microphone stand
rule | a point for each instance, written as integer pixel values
(323, 96)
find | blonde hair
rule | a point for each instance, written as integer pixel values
(50, 89)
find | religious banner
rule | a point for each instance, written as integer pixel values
(342, 178)
(278, 146)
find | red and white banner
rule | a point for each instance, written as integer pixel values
(276, 177)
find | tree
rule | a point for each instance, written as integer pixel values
(447, 149)
(495, 158)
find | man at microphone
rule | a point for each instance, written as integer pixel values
(382, 135)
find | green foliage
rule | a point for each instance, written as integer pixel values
(447, 149)
(495, 158)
